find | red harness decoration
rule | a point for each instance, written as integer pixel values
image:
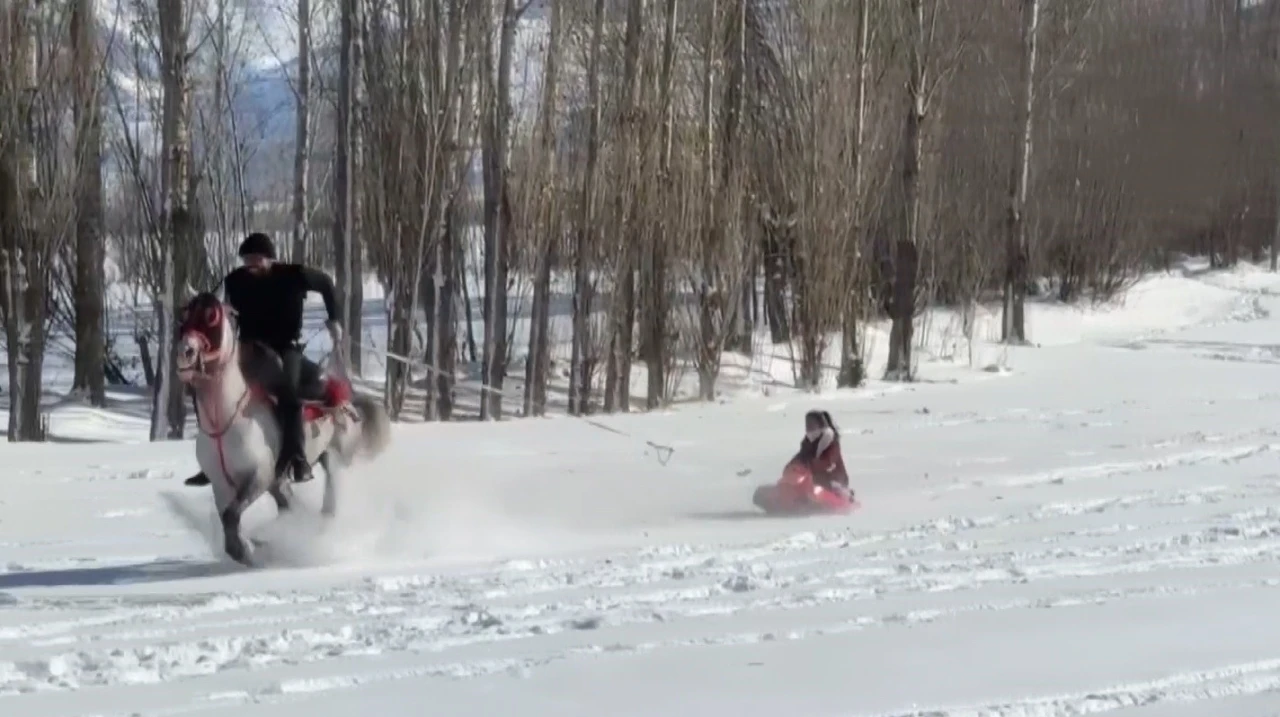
(337, 393)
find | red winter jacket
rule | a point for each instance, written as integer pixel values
(823, 458)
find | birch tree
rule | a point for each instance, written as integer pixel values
(302, 133)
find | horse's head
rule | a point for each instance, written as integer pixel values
(206, 338)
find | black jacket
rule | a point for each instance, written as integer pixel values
(269, 306)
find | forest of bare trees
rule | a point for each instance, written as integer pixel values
(677, 178)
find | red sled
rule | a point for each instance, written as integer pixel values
(795, 493)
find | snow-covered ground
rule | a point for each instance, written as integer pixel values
(1096, 529)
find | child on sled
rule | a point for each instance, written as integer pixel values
(820, 453)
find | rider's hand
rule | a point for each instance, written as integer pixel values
(335, 332)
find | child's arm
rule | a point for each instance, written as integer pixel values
(825, 441)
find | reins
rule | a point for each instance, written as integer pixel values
(226, 355)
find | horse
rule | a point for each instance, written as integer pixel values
(239, 438)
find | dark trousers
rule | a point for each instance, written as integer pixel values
(291, 377)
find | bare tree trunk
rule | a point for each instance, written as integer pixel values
(438, 302)
(454, 163)
(461, 224)
(446, 311)
(906, 253)
(400, 140)
(710, 290)
(302, 134)
(22, 239)
(623, 307)
(174, 56)
(343, 176)
(497, 229)
(655, 281)
(538, 367)
(90, 359)
(1275, 229)
(359, 107)
(775, 277)
(852, 371)
(1016, 254)
(580, 362)
(738, 331)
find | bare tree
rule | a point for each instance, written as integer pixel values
(925, 67)
(302, 133)
(538, 365)
(459, 121)
(852, 371)
(20, 185)
(1015, 286)
(174, 52)
(90, 350)
(344, 194)
(753, 164)
(497, 210)
(722, 252)
(582, 361)
(654, 282)
(617, 391)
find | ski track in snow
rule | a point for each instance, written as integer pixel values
(554, 610)
(1124, 508)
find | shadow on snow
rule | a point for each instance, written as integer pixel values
(156, 571)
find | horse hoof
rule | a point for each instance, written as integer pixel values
(240, 552)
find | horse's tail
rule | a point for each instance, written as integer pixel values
(375, 424)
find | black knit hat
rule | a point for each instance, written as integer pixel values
(258, 243)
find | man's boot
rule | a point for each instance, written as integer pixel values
(292, 442)
(301, 466)
(290, 404)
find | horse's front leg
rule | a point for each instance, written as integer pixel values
(282, 493)
(236, 546)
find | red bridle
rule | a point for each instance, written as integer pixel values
(206, 327)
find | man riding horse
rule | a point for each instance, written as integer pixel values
(268, 298)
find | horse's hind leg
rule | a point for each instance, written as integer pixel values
(282, 494)
(330, 504)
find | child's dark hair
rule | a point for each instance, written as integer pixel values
(822, 417)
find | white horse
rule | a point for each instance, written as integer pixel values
(239, 439)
